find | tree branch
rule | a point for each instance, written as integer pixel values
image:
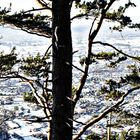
(91, 37)
(41, 100)
(38, 25)
(92, 26)
(78, 68)
(36, 9)
(77, 121)
(107, 44)
(92, 121)
(47, 51)
(35, 33)
(79, 16)
(42, 3)
(109, 5)
(75, 67)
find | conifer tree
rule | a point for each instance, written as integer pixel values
(60, 101)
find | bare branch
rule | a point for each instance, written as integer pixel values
(74, 52)
(8, 77)
(78, 68)
(47, 51)
(92, 121)
(35, 33)
(36, 9)
(42, 3)
(41, 100)
(109, 5)
(75, 67)
(107, 44)
(92, 26)
(79, 16)
(77, 121)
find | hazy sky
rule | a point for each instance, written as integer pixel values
(19, 4)
(28, 4)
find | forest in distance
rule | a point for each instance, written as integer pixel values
(72, 78)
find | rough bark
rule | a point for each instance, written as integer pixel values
(62, 71)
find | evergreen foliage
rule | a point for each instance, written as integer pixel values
(7, 62)
(29, 97)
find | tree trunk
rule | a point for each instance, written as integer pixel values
(62, 112)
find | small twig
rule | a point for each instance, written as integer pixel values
(47, 51)
(45, 107)
(34, 9)
(77, 121)
(70, 99)
(92, 26)
(42, 3)
(75, 67)
(78, 68)
(40, 99)
(6, 119)
(74, 52)
(109, 5)
(79, 16)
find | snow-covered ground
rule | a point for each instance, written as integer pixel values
(91, 103)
